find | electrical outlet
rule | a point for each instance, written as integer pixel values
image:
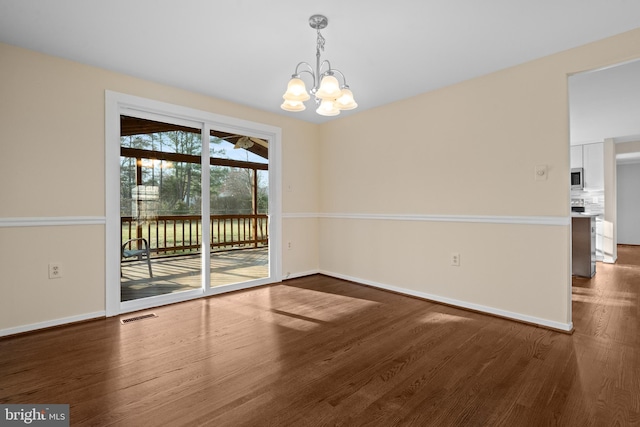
(455, 259)
(289, 246)
(55, 271)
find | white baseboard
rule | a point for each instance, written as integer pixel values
(462, 304)
(51, 323)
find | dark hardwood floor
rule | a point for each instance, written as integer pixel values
(319, 351)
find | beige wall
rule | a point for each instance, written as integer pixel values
(469, 149)
(465, 150)
(627, 147)
(52, 149)
(496, 261)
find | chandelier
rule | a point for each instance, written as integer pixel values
(331, 97)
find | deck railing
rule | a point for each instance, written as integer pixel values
(182, 234)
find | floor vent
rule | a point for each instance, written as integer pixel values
(133, 319)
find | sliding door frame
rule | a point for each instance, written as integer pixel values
(117, 104)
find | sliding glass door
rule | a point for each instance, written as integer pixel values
(191, 206)
(160, 208)
(239, 200)
(168, 245)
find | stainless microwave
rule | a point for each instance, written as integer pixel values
(577, 178)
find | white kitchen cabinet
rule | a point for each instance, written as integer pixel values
(590, 157)
(593, 164)
(576, 156)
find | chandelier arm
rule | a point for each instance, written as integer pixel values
(329, 69)
(310, 72)
(305, 64)
(344, 79)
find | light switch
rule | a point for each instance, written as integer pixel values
(541, 172)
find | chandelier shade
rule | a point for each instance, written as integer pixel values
(346, 101)
(329, 88)
(296, 91)
(328, 108)
(293, 106)
(330, 94)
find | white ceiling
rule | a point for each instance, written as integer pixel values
(605, 104)
(245, 50)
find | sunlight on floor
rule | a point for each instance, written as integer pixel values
(443, 318)
(600, 297)
(333, 306)
(312, 309)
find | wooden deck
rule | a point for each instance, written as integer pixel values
(177, 274)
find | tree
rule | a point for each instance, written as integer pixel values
(179, 183)
(128, 171)
(180, 191)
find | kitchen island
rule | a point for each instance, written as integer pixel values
(583, 244)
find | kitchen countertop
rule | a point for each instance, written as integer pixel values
(584, 215)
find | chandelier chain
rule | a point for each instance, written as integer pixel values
(321, 41)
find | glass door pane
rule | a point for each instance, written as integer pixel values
(238, 203)
(160, 208)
